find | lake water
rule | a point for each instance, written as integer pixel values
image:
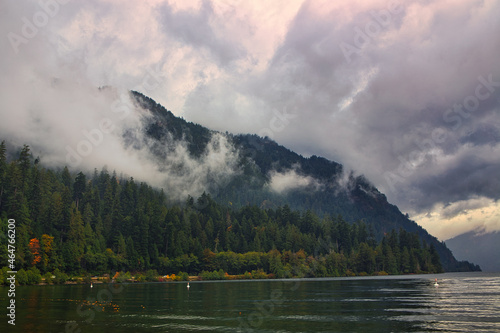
(463, 302)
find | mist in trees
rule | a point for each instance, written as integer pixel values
(103, 223)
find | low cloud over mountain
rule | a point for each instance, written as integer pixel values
(406, 93)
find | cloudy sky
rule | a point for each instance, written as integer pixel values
(406, 93)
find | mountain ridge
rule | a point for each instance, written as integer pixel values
(317, 184)
(481, 248)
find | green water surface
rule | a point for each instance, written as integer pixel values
(461, 303)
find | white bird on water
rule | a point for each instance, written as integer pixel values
(436, 283)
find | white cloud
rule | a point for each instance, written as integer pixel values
(282, 182)
(182, 174)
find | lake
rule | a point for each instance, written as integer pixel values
(463, 302)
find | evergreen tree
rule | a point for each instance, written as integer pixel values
(79, 187)
(3, 171)
(24, 163)
(66, 177)
(75, 245)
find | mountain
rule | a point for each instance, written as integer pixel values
(481, 248)
(266, 174)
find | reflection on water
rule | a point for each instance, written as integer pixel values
(461, 303)
(457, 305)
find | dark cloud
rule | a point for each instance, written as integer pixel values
(382, 89)
(471, 174)
(400, 91)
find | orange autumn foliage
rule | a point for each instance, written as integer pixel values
(34, 246)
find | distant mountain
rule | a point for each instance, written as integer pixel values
(269, 175)
(483, 249)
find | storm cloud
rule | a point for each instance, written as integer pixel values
(406, 93)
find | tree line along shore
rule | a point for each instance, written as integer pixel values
(72, 226)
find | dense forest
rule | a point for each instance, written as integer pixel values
(103, 223)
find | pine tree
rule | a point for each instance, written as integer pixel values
(436, 262)
(25, 166)
(14, 188)
(121, 246)
(79, 187)
(405, 261)
(66, 177)
(366, 259)
(55, 223)
(3, 171)
(75, 244)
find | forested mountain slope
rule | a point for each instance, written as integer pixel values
(269, 175)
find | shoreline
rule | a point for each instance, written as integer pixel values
(195, 278)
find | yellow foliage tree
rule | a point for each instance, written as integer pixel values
(47, 248)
